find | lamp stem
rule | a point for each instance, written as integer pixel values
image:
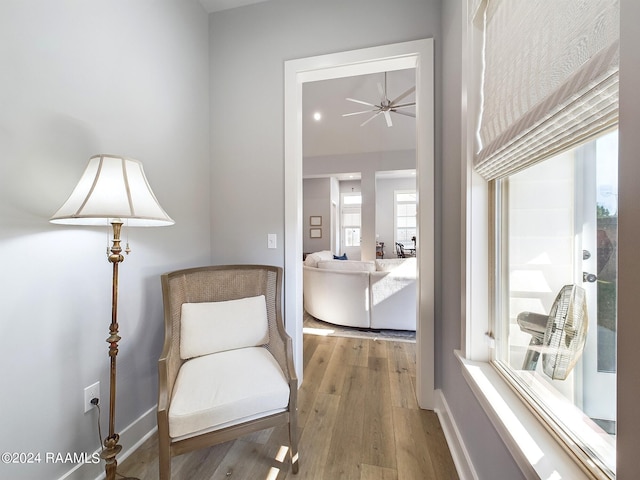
(112, 448)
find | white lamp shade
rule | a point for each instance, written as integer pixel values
(112, 187)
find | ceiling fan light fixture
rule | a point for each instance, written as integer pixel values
(386, 106)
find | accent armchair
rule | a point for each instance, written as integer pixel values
(226, 368)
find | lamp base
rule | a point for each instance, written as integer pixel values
(109, 456)
(111, 465)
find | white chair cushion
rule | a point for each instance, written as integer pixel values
(211, 327)
(224, 387)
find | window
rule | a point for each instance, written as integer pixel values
(351, 219)
(405, 218)
(558, 226)
(544, 99)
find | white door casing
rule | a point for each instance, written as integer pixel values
(415, 54)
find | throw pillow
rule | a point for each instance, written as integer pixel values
(340, 257)
(210, 327)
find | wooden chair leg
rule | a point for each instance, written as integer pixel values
(164, 460)
(293, 445)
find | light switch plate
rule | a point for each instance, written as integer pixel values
(271, 240)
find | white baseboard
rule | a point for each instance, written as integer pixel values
(461, 458)
(131, 438)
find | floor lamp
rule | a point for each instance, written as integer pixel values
(112, 190)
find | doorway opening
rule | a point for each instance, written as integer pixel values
(418, 55)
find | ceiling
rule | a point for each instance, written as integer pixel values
(338, 135)
(219, 5)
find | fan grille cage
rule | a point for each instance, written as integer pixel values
(566, 332)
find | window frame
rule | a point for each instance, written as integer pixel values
(578, 443)
(396, 202)
(350, 208)
(536, 449)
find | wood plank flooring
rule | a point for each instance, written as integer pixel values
(358, 420)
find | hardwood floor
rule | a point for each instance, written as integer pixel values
(358, 420)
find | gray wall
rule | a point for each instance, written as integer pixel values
(628, 421)
(80, 78)
(248, 49)
(317, 202)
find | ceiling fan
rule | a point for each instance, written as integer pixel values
(386, 106)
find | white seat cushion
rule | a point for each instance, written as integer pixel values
(224, 387)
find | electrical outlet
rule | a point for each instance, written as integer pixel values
(92, 391)
(271, 240)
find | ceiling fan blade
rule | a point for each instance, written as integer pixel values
(402, 105)
(408, 114)
(387, 117)
(360, 101)
(408, 92)
(371, 118)
(357, 113)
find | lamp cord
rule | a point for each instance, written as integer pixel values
(97, 405)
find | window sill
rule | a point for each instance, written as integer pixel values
(533, 447)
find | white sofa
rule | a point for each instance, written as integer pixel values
(378, 294)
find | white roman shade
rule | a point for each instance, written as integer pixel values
(550, 79)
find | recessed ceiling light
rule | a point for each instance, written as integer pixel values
(317, 116)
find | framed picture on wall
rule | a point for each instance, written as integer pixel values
(315, 220)
(315, 233)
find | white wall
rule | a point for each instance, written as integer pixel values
(370, 162)
(80, 78)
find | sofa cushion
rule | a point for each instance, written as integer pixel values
(337, 296)
(349, 265)
(211, 327)
(313, 258)
(216, 389)
(393, 299)
(403, 266)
